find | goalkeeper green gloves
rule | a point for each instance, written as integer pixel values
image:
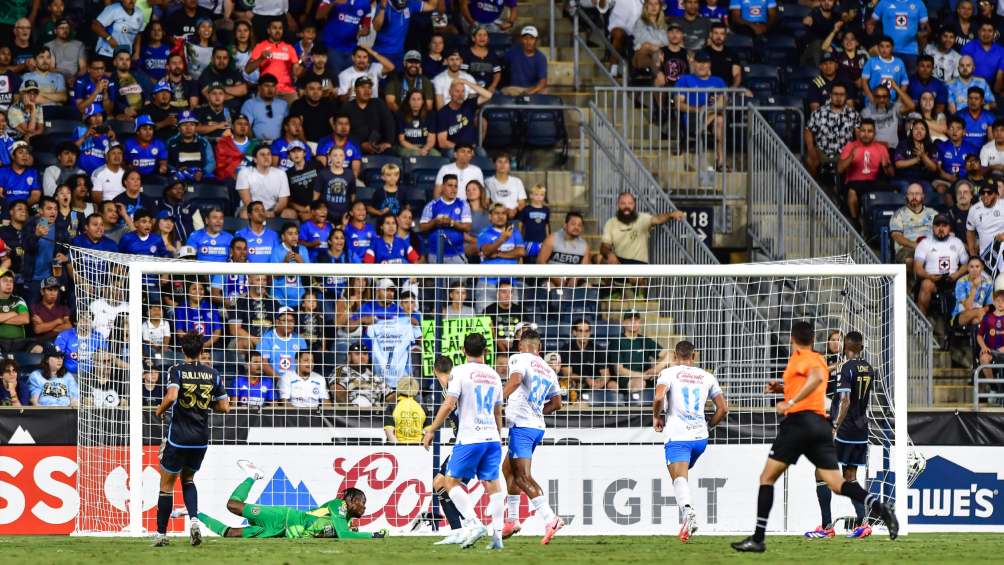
(296, 531)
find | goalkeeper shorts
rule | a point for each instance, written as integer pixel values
(268, 521)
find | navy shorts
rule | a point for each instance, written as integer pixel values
(173, 459)
(851, 454)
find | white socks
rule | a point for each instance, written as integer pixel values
(464, 505)
(682, 489)
(512, 508)
(542, 509)
(496, 506)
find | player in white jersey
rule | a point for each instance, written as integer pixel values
(681, 392)
(531, 392)
(477, 389)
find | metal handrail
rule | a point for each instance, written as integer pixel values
(576, 109)
(577, 41)
(977, 380)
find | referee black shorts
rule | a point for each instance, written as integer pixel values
(805, 433)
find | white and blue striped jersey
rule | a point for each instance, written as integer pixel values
(477, 388)
(525, 408)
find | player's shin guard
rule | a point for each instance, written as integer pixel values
(449, 509)
(764, 501)
(214, 525)
(825, 496)
(240, 493)
(165, 503)
(464, 505)
(496, 505)
(191, 496)
(681, 488)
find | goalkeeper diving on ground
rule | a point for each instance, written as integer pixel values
(329, 520)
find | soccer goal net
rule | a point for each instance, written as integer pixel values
(331, 373)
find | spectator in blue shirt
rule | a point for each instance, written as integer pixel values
(500, 244)
(447, 218)
(261, 240)
(281, 344)
(255, 388)
(391, 23)
(94, 88)
(753, 17)
(265, 111)
(958, 89)
(94, 139)
(901, 21)
(93, 235)
(52, 384)
(197, 314)
(211, 243)
(488, 14)
(697, 108)
(924, 81)
(145, 153)
(883, 69)
(341, 30)
(988, 56)
(952, 151)
(20, 181)
(527, 66)
(143, 241)
(288, 289)
(978, 120)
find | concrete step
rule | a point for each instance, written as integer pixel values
(953, 394)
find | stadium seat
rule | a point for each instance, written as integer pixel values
(61, 112)
(499, 43)
(502, 124)
(206, 204)
(49, 142)
(61, 126)
(208, 190)
(798, 79)
(741, 46)
(423, 170)
(373, 163)
(878, 207)
(365, 193)
(233, 224)
(154, 186)
(781, 50)
(27, 362)
(486, 165)
(545, 128)
(793, 12)
(275, 224)
(123, 128)
(415, 197)
(761, 79)
(44, 160)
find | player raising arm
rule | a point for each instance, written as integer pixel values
(805, 431)
(329, 520)
(531, 392)
(681, 391)
(477, 389)
(191, 388)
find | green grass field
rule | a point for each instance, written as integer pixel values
(918, 548)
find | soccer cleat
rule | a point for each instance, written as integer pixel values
(194, 533)
(689, 525)
(749, 544)
(455, 537)
(861, 532)
(179, 512)
(821, 532)
(160, 540)
(425, 518)
(250, 469)
(889, 519)
(496, 543)
(473, 536)
(509, 529)
(552, 528)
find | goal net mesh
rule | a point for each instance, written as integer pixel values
(322, 369)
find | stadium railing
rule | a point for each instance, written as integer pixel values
(581, 45)
(995, 385)
(688, 160)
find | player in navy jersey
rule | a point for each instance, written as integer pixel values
(359, 235)
(211, 243)
(389, 248)
(850, 419)
(191, 390)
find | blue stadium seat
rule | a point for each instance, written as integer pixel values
(275, 224)
(206, 204)
(798, 79)
(415, 197)
(762, 79)
(123, 128)
(27, 362)
(423, 170)
(545, 128)
(486, 165)
(878, 207)
(208, 190)
(154, 186)
(49, 142)
(373, 163)
(781, 50)
(502, 124)
(61, 126)
(793, 12)
(499, 43)
(233, 224)
(741, 46)
(365, 193)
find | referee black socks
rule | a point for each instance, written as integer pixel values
(825, 496)
(764, 502)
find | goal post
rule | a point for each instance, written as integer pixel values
(601, 463)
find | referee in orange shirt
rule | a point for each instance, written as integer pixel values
(806, 431)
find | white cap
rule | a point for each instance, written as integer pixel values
(529, 30)
(385, 284)
(187, 251)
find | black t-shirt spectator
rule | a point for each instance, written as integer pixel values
(388, 200)
(585, 362)
(226, 78)
(179, 23)
(337, 191)
(535, 222)
(819, 88)
(721, 64)
(255, 315)
(206, 115)
(674, 65)
(303, 183)
(132, 204)
(372, 124)
(316, 119)
(482, 69)
(459, 124)
(821, 26)
(504, 320)
(158, 114)
(416, 130)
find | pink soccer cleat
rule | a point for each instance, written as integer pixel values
(552, 528)
(821, 532)
(861, 532)
(509, 529)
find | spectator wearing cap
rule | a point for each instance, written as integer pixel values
(19, 180)
(442, 83)
(94, 138)
(49, 317)
(675, 60)
(992, 154)
(212, 243)
(830, 128)
(405, 419)
(235, 150)
(392, 20)
(189, 154)
(197, 314)
(51, 84)
(406, 80)
(273, 56)
(160, 111)
(63, 170)
(456, 122)
(145, 153)
(373, 127)
(281, 344)
(342, 21)
(365, 63)
(527, 66)
(25, 115)
(187, 217)
(304, 179)
(107, 178)
(118, 25)
(52, 384)
(292, 133)
(819, 87)
(480, 61)
(938, 262)
(924, 81)
(221, 72)
(92, 235)
(214, 117)
(265, 111)
(315, 114)
(910, 224)
(70, 54)
(446, 219)
(93, 88)
(142, 241)
(354, 382)
(127, 96)
(264, 183)
(638, 358)
(694, 106)
(254, 388)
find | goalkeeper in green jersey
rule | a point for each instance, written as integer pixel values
(329, 520)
